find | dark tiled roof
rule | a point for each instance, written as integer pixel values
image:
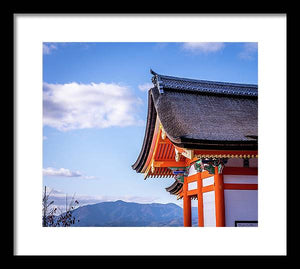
(175, 187)
(200, 114)
(206, 119)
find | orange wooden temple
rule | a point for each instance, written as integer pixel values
(204, 135)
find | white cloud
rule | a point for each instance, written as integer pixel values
(88, 177)
(60, 197)
(96, 105)
(249, 50)
(48, 48)
(145, 87)
(64, 172)
(203, 47)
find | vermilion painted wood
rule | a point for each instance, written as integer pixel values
(208, 188)
(205, 174)
(192, 178)
(219, 199)
(188, 161)
(169, 164)
(155, 139)
(187, 208)
(200, 200)
(204, 189)
(192, 192)
(179, 149)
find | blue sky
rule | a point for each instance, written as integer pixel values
(95, 110)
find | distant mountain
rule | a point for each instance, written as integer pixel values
(124, 214)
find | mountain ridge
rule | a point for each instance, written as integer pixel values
(130, 214)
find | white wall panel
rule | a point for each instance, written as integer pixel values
(192, 185)
(208, 181)
(192, 171)
(240, 179)
(253, 162)
(209, 213)
(240, 205)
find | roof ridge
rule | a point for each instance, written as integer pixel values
(211, 81)
(163, 81)
(204, 81)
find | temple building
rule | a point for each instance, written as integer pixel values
(204, 134)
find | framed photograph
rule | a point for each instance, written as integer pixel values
(131, 129)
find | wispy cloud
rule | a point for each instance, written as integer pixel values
(96, 105)
(145, 87)
(48, 48)
(64, 172)
(203, 47)
(59, 198)
(249, 51)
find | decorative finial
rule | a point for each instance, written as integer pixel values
(177, 155)
(157, 81)
(163, 134)
(152, 167)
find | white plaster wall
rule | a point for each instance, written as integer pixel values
(192, 171)
(194, 204)
(240, 179)
(208, 181)
(240, 205)
(253, 162)
(209, 213)
(192, 185)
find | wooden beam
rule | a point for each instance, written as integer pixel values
(253, 171)
(180, 150)
(188, 161)
(192, 178)
(165, 142)
(208, 188)
(168, 164)
(192, 192)
(205, 174)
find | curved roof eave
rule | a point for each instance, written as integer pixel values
(150, 127)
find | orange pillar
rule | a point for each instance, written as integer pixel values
(219, 199)
(200, 201)
(187, 208)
